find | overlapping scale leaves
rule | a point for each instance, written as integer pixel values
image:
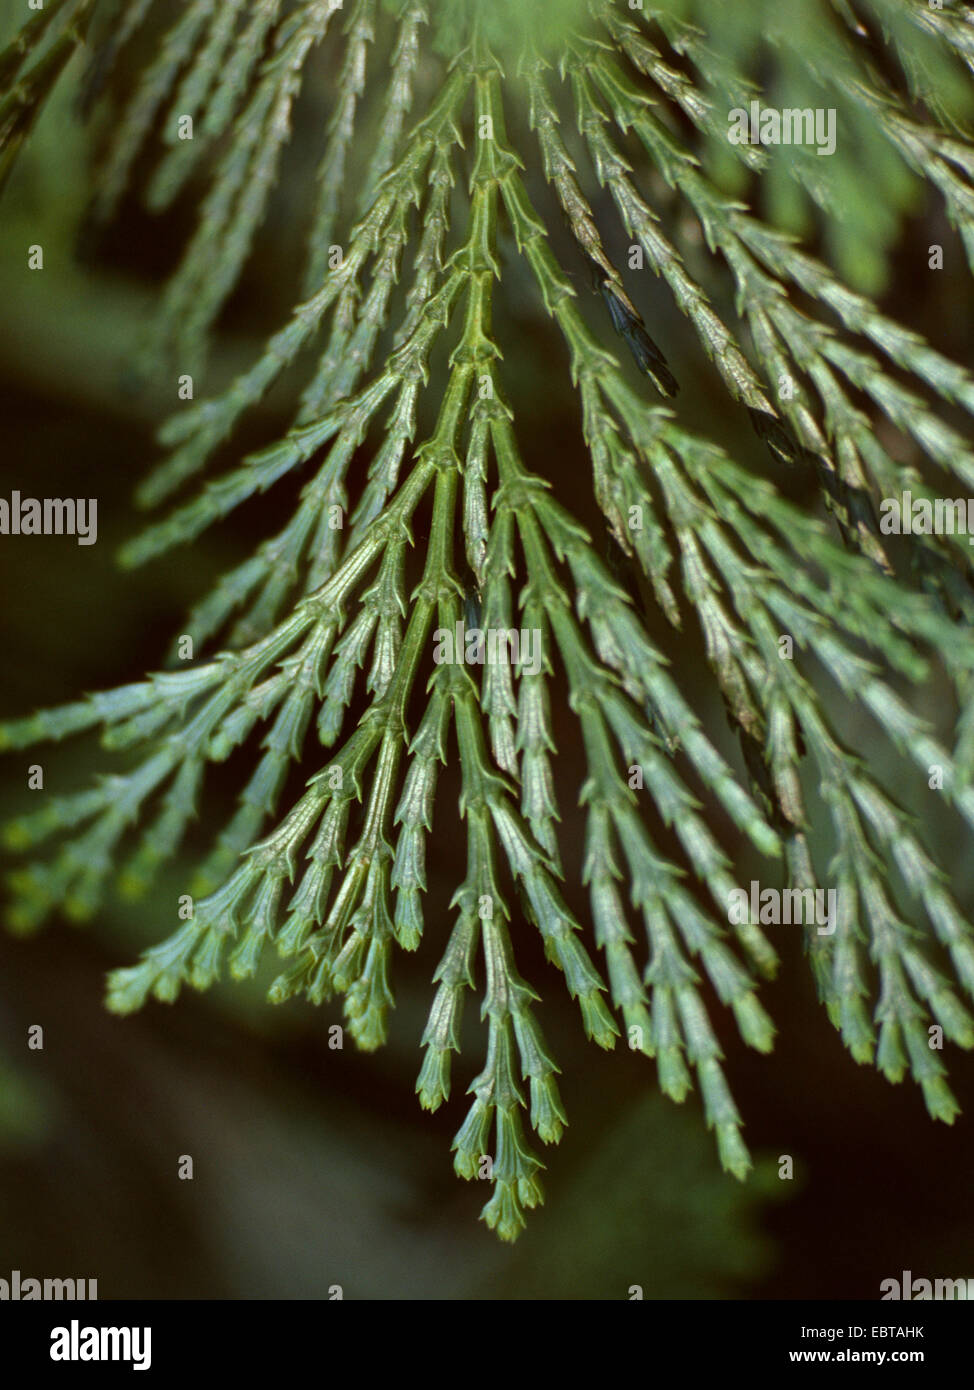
(403, 259)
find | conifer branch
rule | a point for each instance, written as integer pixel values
(418, 515)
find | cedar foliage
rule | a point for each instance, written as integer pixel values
(403, 413)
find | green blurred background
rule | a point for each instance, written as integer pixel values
(316, 1167)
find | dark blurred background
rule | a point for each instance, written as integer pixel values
(315, 1167)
